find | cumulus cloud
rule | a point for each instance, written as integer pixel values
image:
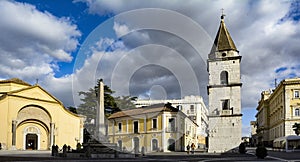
(265, 32)
(32, 42)
(120, 29)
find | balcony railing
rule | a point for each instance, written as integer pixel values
(225, 112)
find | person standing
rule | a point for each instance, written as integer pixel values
(193, 146)
(188, 149)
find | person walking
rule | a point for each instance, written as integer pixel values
(188, 149)
(193, 146)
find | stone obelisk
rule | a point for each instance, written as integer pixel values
(100, 116)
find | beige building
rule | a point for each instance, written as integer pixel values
(31, 118)
(224, 93)
(193, 107)
(154, 128)
(277, 111)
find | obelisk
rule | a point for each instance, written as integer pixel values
(100, 115)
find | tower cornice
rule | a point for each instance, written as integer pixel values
(225, 59)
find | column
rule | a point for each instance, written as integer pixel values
(52, 142)
(145, 134)
(14, 129)
(163, 137)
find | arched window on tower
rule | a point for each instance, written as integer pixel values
(224, 77)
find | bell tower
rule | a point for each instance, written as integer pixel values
(224, 93)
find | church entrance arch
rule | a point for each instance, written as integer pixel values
(33, 130)
(32, 138)
(31, 142)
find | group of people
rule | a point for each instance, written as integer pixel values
(192, 147)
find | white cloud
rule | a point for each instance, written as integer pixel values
(266, 38)
(120, 29)
(31, 41)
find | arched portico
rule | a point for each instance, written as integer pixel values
(33, 129)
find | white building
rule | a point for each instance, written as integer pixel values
(193, 107)
(224, 93)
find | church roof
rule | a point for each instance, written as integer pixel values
(15, 80)
(223, 40)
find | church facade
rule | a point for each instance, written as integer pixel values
(33, 119)
(224, 93)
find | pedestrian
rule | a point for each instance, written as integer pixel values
(143, 151)
(56, 150)
(188, 149)
(65, 147)
(52, 150)
(193, 146)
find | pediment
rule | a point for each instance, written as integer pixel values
(35, 92)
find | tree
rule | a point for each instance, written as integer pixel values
(125, 102)
(109, 100)
(296, 128)
(72, 109)
(89, 104)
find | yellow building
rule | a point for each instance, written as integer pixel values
(278, 111)
(154, 128)
(31, 118)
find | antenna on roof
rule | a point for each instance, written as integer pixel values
(275, 82)
(37, 81)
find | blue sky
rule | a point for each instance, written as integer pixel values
(134, 45)
(78, 14)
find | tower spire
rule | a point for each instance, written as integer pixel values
(223, 40)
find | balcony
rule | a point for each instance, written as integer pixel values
(225, 112)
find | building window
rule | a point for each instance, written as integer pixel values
(225, 105)
(154, 123)
(119, 127)
(224, 77)
(296, 94)
(154, 145)
(135, 127)
(192, 109)
(171, 125)
(179, 107)
(297, 113)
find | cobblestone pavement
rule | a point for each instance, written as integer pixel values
(171, 156)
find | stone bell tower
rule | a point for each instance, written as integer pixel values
(224, 93)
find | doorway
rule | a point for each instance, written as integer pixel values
(136, 144)
(171, 144)
(31, 141)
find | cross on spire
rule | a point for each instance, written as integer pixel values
(223, 15)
